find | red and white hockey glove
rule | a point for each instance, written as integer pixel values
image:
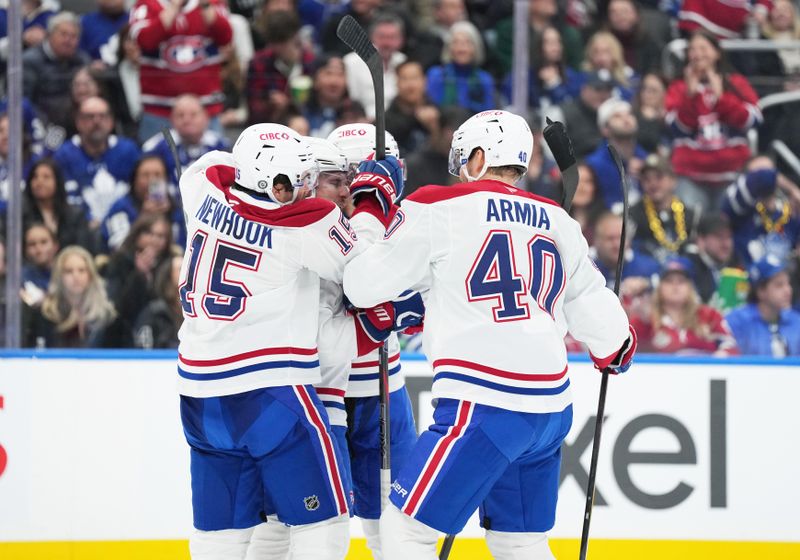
(382, 179)
(620, 361)
(374, 325)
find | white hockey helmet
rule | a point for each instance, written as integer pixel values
(329, 157)
(265, 150)
(505, 138)
(357, 141)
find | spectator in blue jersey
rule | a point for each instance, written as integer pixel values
(605, 251)
(328, 95)
(35, 15)
(149, 194)
(767, 326)
(44, 200)
(761, 205)
(33, 127)
(191, 133)
(47, 69)
(663, 223)
(96, 163)
(100, 30)
(130, 273)
(617, 124)
(551, 81)
(76, 312)
(41, 247)
(460, 79)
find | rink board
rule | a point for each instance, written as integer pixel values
(699, 459)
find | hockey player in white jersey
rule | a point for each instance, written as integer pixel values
(508, 275)
(357, 142)
(248, 351)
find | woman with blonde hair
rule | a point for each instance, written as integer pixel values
(676, 322)
(604, 52)
(76, 312)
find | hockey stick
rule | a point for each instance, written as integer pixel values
(601, 404)
(173, 148)
(354, 36)
(555, 134)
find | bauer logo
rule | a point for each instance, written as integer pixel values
(274, 136)
(399, 489)
(311, 503)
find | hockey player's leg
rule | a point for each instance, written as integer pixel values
(269, 541)
(403, 537)
(324, 540)
(372, 530)
(228, 544)
(518, 546)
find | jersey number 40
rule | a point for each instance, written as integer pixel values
(223, 299)
(494, 276)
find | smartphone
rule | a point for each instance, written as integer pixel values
(157, 191)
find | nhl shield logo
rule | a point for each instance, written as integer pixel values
(311, 502)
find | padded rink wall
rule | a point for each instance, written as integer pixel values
(700, 460)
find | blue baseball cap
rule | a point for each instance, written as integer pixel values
(766, 268)
(681, 265)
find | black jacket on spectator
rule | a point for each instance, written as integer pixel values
(406, 129)
(46, 81)
(426, 167)
(581, 121)
(36, 329)
(73, 229)
(645, 241)
(156, 327)
(129, 290)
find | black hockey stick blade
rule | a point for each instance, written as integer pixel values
(354, 36)
(601, 401)
(173, 148)
(555, 134)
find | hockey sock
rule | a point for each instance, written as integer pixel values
(403, 537)
(518, 546)
(228, 544)
(372, 530)
(269, 541)
(326, 540)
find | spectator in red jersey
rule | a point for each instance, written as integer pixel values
(273, 67)
(676, 322)
(725, 19)
(180, 42)
(709, 111)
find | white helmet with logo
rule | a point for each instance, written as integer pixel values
(357, 141)
(504, 137)
(264, 151)
(328, 155)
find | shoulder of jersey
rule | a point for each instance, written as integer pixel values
(219, 171)
(432, 194)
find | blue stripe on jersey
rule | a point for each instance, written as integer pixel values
(500, 387)
(371, 376)
(247, 369)
(334, 404)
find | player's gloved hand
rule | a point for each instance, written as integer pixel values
(622, 360)
(374, 325)
(382, 179)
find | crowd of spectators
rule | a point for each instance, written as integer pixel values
(713, 252)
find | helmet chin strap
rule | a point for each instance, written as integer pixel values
(470, 178)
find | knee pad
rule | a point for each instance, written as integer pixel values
(228, 544)
(269, 541)
(325, 540)
(518, 546)
(372, 530)
(403, 537)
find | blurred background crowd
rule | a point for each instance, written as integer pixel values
(697, 96)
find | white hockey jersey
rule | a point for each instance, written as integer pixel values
(508, 274)
(250, 283)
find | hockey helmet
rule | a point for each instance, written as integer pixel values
(505, 138)
(329, 157)
(264, 151)
(357, 141)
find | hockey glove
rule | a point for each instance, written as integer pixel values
(382, 179)
(621, 361)
(374, 325)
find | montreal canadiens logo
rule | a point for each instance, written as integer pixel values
(184, 54)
